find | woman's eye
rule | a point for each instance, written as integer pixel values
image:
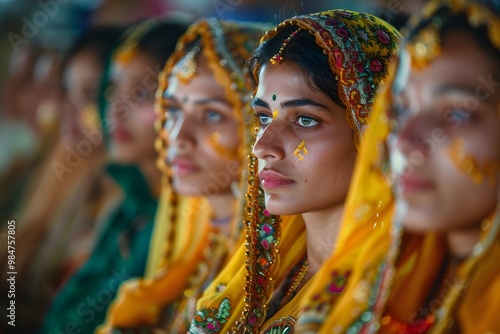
(213, 117)
(458, 115)
(264, 119)
(306, 121)
(172, 112)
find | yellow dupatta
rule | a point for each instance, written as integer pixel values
(359, 47)
(387, 268)
(186, 248)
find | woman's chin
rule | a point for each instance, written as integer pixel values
(278, 209)
(124, 158)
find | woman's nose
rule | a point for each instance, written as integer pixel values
(269, 142)
(181, 132)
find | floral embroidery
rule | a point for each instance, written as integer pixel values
(338, 282)
(209, 320)
(363, 35)
(319, 305)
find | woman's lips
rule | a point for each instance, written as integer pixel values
(183, 166)
(121, 135)
(412, 183)
(273, 180)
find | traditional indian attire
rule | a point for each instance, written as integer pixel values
(121, 250)
(359, 47)
(187, 249)
(385, 273)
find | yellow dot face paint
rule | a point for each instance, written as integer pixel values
(468, 165)
(215, 136)
(301, 150)
(275, 113)
(230, 154)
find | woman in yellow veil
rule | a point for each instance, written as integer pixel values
(316, 76)
(423, 210)
(204, 136)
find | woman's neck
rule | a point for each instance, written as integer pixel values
(153, 177)
(222, 206)
(322, 228)
(461, 243)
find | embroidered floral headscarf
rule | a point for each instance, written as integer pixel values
(359, 48)
(376, 264)
(186, 248)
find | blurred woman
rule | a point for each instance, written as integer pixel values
(29, 125)
(204, 106)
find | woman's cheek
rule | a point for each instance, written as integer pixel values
(229, 135)
(147, 114)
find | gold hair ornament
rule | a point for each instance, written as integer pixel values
(278, 58)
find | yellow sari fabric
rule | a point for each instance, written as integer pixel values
(387, 272)
(359, 48)
(187, 249)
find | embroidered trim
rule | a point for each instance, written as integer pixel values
(210, 319)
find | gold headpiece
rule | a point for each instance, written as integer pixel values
(278, 58)
(186, 68)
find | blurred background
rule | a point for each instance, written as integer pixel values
(53, 24)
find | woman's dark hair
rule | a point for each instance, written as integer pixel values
(99, 40)
(479, 33)
(160, 42)
(303, 51)
(449, 22)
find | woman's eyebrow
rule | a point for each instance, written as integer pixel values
(288, 104)
(256, 102)
(453, 89)
(212, 100)
(301, 103)
(201, 101)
